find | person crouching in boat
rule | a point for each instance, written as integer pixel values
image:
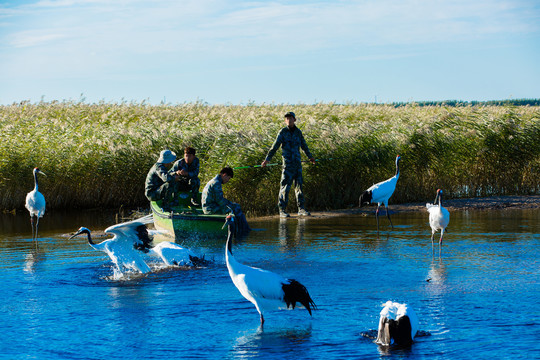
(187, 169)
(213, 201)
(160, 183)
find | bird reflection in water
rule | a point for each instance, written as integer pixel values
(31, 260)
(257, 343)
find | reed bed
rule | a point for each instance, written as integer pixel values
(98, 155)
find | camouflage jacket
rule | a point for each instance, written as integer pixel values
(157, 176)
(192, 169)
(291, 141)
(212, 198)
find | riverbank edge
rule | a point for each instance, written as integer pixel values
(480, 203)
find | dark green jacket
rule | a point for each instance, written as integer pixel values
(212, 198)
(291, 141)
(192, 169)
(157, 176)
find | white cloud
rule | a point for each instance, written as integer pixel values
(31, 38)
(267, 27)
(103, 39)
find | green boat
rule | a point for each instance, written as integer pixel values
(184, 220)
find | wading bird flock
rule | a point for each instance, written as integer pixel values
(398, 323)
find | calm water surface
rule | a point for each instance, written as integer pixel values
(481, 300)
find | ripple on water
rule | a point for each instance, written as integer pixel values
(481, 295)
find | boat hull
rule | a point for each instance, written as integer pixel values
(182, 221)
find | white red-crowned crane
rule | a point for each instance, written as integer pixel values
(439, 217)
(398, 325)
(131, 240)
(380, 193)
(35, 203)
(125, 245)
(265, 289)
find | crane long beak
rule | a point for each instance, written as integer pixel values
(228, 219)
(41, 172)
(72, 236)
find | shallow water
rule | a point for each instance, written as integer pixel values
(477, 299)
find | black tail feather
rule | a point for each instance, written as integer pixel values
(296, 292)
(198, 261)
(365, 198)
(401, 331)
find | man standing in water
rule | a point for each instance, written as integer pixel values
(290, 139)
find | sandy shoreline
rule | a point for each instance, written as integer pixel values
(485, 203)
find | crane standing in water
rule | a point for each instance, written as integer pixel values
(380, 193)
(265, 289)
(439, 217)
(35, 203)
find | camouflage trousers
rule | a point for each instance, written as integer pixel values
(165, 191)
(290, 176)
(187, 184)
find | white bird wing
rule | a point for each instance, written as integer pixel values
(130, 224)
(121, 247)
(30, 203)
(430, 206)
(261, 283)
(128, 230)
(383, 191)
(445, 217)
(171, 253)
(35, 203)
(390, 310)
(439, 217)
(123, 255)
(393, 310)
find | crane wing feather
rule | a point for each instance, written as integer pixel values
(128, 229)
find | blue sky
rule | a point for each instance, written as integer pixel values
(239, 52)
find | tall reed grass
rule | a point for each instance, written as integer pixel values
(98, 155)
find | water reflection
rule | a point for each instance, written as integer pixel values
(399, 351)
(259, 342)
(437, 293)
(437, 272)
(31, 260)
(291, 233)
(487, 276)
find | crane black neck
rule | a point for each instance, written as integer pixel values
(89, 238)
(35, 180)
(229, 238)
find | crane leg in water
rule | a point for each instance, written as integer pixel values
(32, 225)
(388, 216)
(37, 224)
(377, 217)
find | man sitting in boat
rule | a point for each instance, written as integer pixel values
(187, 169)
(160, 183)
(213, 201)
